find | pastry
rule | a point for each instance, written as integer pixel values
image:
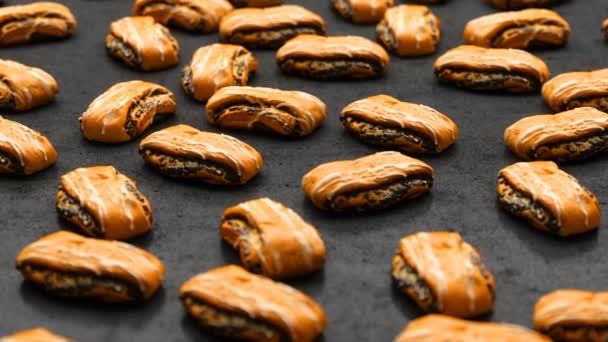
(23, 151)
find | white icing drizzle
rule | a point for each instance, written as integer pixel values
(261, 18)
(21, 139)
(23, 80)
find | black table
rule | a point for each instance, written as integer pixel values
(355, 287)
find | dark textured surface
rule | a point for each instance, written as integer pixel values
(355, 286)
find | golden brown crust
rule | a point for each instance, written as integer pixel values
(363, 11)
(19, 24)
(386, 111)
(289, 246)
(29, 150)
(23, 87)
(232, 289)
(112, 199)
(34, 335)
(537, 26)
(574, 207)
(191, 15)
(74, 254)
(414, 30)
(571, 86)
(571, 308)
(288, 113)
(440, 328)
(125, 111)
(216, 66)
(528, 134)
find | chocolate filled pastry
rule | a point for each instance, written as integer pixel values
(548, 198)
(410, 30)
(520, 4)
(444, 274)
(125, 111)
(331, 58)
(184, 152)
(362, 11)
(69, 265)
(573, 316)
(216, 66)
(23, 151)
(574, 135)
(103, 203)
(482, 69)
(577, 89)
(23, 87)
(190, 15)
(287, 113)
(435, 328)
(269, 28)
(255, 3)
(386, 122)
(523, 29)
(272, 239)
(38, 21)
(233, 303)
(142, 44)
(373, 182)
(34, 335)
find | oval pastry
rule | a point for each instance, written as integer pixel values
(184, 152)
(434, 328)
(286, 113)
(548, 198)
(272, 239)
(329, 58)
(270, 27)
(518, 29)
(577, 89)
(34, 335)
(23, 151)
(384, 121)
(191, 15)
(216, 66)
(233, 303)
(362, 11)
(442, 273)
(255, 3)
(573, 315)
(410, 30)
(23, 87)
(481, 69)
(519, 4)
(574, 135)
(377, 181)
(125, 111)
(38, 21)
(65, 264)
(142, 44)
(103, 203)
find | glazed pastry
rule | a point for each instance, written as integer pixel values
(184, 152)
(548, 198)
(574, 135)
(216, 66)
(34, 335)
(142, 44)
(270, 27)
(362, 11)
(233, 303)
(410, 30)
(286, 113)
(329, 58)
(577, 89)
(255, 3)
(518, 29)
(384, 121)
(435, 328)
(573, 316)
(519, 4)
(23, 87)
(442, 273)
(125, 111)
(103, 203)
(191, 15)
(377, 181)
(65, 264)
(482, 69)
(23, 151)
(38, 21)
(272, 239)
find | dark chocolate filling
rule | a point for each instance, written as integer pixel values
(332, 68)
(118, 49)
(255, 109)
(10, 164)
(270, 38)
(6, 103)
(253, 241)
(145, 104)
(599, 102)
(525, 29)
(575, 150)
(588, 333)
(407, 278)
(489, 80)
(187, 80)
(69, 209)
